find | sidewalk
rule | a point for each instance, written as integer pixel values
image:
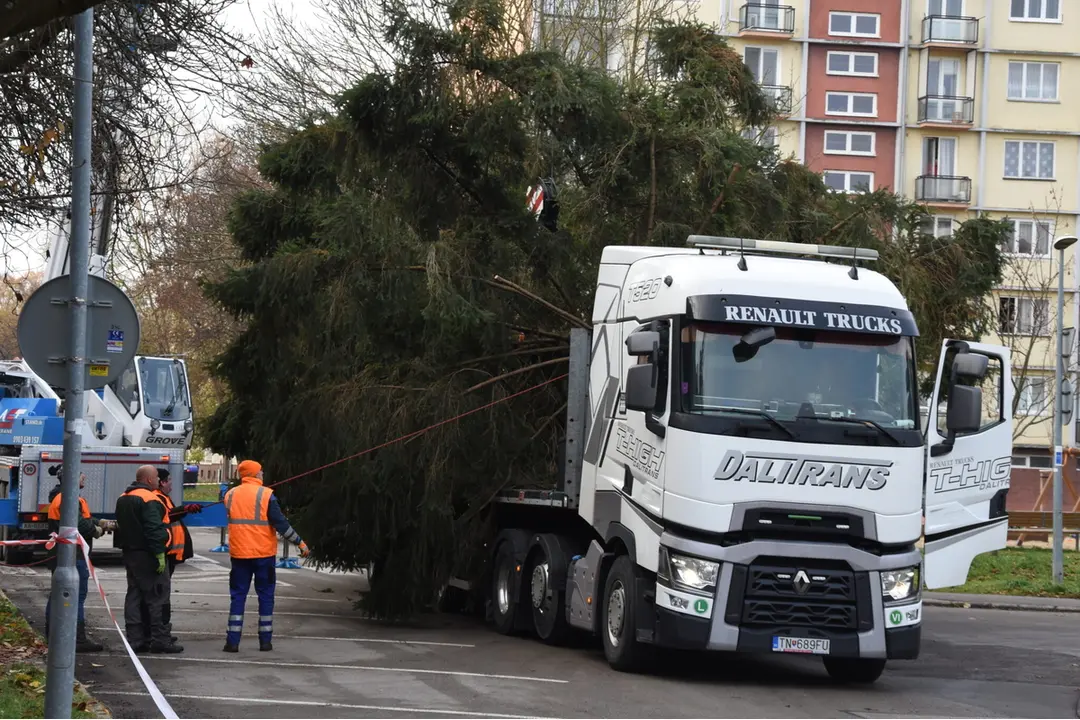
(1002, 602)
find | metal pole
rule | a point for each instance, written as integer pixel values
(1059, 375)
(60, 675)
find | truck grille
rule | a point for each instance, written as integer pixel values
(777, 592)
(773, 581)
(774, 612)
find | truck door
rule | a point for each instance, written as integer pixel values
(968, 460)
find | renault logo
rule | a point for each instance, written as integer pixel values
(801, 582)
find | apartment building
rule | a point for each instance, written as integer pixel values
(963, 105)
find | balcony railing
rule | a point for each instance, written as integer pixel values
(768, 18)
(779, 96)
(946, 109)
(950, 29)
(943, 188)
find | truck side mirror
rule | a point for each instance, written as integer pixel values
(641, 387)
(965, 410)
(972, 366)
(643, 342)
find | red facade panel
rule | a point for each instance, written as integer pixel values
(889, 10)
(882, 163)
(885, 85)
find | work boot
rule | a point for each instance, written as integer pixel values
(229, 647)
(265, 646)
(171, 648)
(83, 643)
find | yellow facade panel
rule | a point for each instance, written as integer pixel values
(1033, 92)
(1042, 188)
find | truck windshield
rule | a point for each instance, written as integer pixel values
(164, 389)
(814, 382)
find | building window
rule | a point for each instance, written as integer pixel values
(939, 226)
(1033, 81)
(1029, 160)
(1035, 10)
(848, 181)
(854, 24)
(764, 64)
(852, 63)
(766, 138)
(1029, 237)
(1032, 396)
(859, 104)
(1024, 316)
(849, 143)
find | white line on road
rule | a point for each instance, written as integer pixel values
(370, 668)
(388, 641)
(316, 703)
(253, 596)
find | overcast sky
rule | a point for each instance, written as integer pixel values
(248, 18)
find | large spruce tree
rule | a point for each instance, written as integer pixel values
(395, 278)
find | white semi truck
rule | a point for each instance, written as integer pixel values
(745, 467)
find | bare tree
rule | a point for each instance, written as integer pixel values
(153, 62)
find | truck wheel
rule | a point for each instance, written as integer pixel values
(617, 628)
(548, 612)
(504, 606)
(858, 671)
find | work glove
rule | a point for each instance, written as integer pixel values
(304, 550)
(98, 531)
(193, 508)
(160, 563)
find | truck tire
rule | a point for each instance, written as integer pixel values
(504, 601)
(617, 629)
(546, 603)
(856, 671)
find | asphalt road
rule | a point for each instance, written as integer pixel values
(330, 662)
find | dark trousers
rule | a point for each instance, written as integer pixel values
(166, 610)
(84, 587)
(240, 576)
(145, 585)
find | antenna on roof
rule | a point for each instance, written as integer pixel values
(742, 256)
(853, 273)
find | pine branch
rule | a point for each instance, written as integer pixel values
(565, 315)
(512, 373)
(515, 353)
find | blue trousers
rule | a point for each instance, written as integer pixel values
(84, 587)
(265, 574)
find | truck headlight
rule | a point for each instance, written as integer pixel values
(154, 423)
(188, 425)
(688, 572)
(900, 584)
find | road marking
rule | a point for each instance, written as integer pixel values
(370, 668)
(389, 641)
(316, 703)
(253, 596)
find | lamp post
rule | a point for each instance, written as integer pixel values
(1059, 380)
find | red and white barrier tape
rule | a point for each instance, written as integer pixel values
(70, 536)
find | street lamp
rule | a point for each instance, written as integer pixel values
(1059, 398)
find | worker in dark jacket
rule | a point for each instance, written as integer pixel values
(142, 533)
(179, 547)
(89, 528)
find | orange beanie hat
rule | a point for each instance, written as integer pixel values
(248, 468)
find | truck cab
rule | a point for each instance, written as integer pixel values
(755, 470)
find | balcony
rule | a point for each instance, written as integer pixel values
(943, 189)
(950, 30)
(756, 18)
(947, 110)
(780, 96)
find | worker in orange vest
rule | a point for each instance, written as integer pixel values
(89, 528)
(178, 547)
(253, 517)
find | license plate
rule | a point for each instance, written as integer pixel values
(809, 646)
(34, 526)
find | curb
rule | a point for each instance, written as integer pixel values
(1001, 605)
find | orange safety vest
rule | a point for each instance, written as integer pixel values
(54, 508)
(176, 531)
(148, 495)
(250, 532)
